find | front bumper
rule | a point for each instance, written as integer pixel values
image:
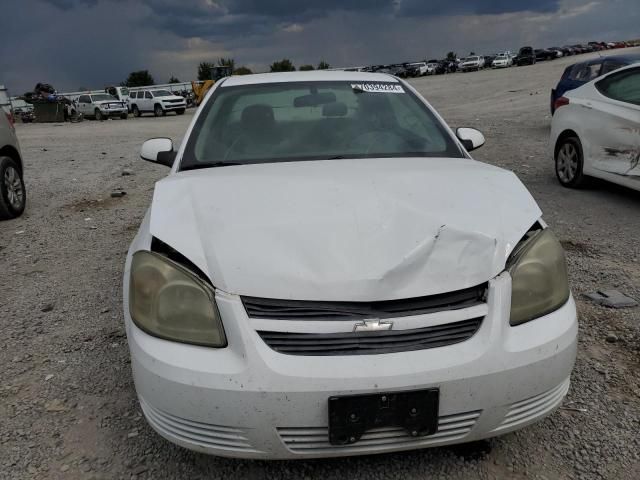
(174, 106)
(112, 112)
(249, 401)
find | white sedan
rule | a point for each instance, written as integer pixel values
(595, 131)
(327, 272)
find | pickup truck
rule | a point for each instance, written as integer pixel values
(101, 106)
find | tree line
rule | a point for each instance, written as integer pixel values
(141, 78)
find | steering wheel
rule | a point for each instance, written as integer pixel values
(372, 137)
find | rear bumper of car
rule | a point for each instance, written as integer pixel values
(249, 401)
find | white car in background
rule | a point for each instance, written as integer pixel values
(432, 68)
(158, 102)
(101, 106)
(595, 131)
(318, 276)
(472, 63)
(423, 68)
(13, 195)
(502, 61)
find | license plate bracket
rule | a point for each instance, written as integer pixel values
(351, 416)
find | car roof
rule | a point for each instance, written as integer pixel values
(311, 76)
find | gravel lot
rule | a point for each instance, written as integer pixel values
(67, 404)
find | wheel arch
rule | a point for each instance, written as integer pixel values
(11, 152)
(564, 135)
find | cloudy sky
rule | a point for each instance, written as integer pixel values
(93, 43)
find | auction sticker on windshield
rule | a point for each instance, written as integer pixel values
(378, 87)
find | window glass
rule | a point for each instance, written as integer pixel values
(585, 72)
(623, 86)
(318, 120)
(162, 93)
(610, 66)
(147, 95)
(101, 97)
(84, 99)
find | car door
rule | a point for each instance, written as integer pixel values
(612, 124)
(83, 102)
(147, 101)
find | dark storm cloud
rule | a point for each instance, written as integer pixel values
(216, 19)
(473, 7)
(69, 4)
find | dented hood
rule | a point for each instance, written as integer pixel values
(360, 230)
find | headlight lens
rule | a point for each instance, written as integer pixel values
(539, 283)
(168, 301)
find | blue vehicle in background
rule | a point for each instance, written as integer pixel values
(578, 74)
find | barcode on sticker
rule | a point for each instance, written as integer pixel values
(378, 87)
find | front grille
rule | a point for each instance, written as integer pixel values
(272, 309)
(371, 343)
(315, 440)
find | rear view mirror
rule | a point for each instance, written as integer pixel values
(314, 99)
(470, 138)
(158, 150)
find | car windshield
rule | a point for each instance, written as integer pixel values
(125, 91)
(312, 121)
(102, 97)
(470, 59)
(162, 93)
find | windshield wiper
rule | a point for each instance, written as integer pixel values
(197, 166)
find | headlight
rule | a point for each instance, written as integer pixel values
(168, 301)
(104, 107)
(539, 283)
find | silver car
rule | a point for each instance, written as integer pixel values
(13, 195)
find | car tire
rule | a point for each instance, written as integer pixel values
(569, 163)
(124, 116)
(13, 195)
(157, 110)
(98, 115)
(180, 111)
(136, 111)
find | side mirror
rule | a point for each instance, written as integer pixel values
(470, 138)
(158, 150)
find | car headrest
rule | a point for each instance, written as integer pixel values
(257, 115)
(334, 109)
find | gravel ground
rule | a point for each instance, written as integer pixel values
(67, 404)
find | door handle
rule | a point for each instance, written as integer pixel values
(587, 105)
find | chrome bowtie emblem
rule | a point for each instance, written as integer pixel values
(372, 326)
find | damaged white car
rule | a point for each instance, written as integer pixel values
(595, 131)
(327, 272)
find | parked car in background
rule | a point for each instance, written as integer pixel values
(419, 68)
(488, 60)
(13, 194)
(559, 52)
(502, 61)
(472, 63)
(101, 106)
(578, 74)
(526, 56)
(158, 102)
(594, 132)
(271, 325)
(432, 68)
(543, 54)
